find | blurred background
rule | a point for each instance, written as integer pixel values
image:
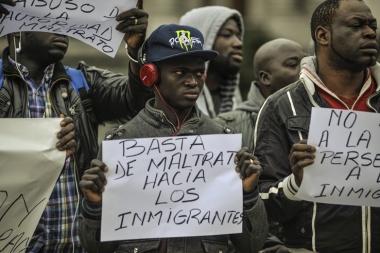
(264, 20)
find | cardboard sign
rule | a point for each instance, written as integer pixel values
(29, 167)
(347, 164)
(90, 21)
(171, 187)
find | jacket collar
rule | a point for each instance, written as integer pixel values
(9, 69)
(160, 118)
(310, 78)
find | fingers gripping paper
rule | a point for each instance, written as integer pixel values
(171, 187)
(29, 167)
(91, 21)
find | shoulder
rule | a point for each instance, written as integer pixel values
(282, 98)
(211, 126)
(233, 118)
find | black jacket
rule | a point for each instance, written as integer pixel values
(112, 97)
(320, 227)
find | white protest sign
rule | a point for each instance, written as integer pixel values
(171, 187)
(347, 164)
(91, 21)
(29, 167)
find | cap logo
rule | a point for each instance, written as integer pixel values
(184, 39)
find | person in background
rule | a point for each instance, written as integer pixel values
(223, 29)
(176, 53)
(37, 85)
(343, 74)
(276, 64)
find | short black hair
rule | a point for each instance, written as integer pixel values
(323, 15)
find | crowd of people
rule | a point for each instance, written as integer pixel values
(191, 87)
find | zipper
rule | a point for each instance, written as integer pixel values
(369, 98)
(53, 105)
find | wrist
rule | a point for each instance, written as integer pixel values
(131, 53)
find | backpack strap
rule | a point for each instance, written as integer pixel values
(80, 85)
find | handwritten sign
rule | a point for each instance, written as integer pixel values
(90, 21)
(347, 164)
(171, 187)
(29, 167)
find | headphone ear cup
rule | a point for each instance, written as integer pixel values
(149, 74)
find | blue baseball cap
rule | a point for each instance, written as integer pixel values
(173, 40)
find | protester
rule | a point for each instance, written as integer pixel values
(343, 75)
(32, 65)
(176, 53)
(223, 30)
(275, 65)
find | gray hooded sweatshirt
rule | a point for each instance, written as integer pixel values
(209, 20)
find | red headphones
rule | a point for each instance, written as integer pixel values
(149, 74)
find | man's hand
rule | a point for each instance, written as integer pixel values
(133, 23)
(249, 168)
(93, 181)
(3, 10)
(66, 136)
(301, 155)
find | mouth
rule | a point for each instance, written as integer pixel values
(61, 42)
(193, 95)
(237, 56)
(370, 48)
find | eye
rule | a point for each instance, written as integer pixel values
(225, 34)
(179, 72)
(292, 64)
(200, 74)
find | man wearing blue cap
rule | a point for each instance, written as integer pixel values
(174, 64)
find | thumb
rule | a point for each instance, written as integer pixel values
(91, 196)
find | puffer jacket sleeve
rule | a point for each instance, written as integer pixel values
(115, 97)
(272, 146)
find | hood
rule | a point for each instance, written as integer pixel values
(209, 20)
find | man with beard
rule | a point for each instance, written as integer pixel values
(343, 74)
(223, 30)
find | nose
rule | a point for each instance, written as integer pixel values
(191, 80)
(369, 32)
(237, 42)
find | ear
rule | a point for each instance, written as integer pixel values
(264, 77)
(322, 35)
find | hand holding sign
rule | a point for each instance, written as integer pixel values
(133, 23)
(249, 168)
(66, 136)
(90, 21)
(93, 181)
(300, 156)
